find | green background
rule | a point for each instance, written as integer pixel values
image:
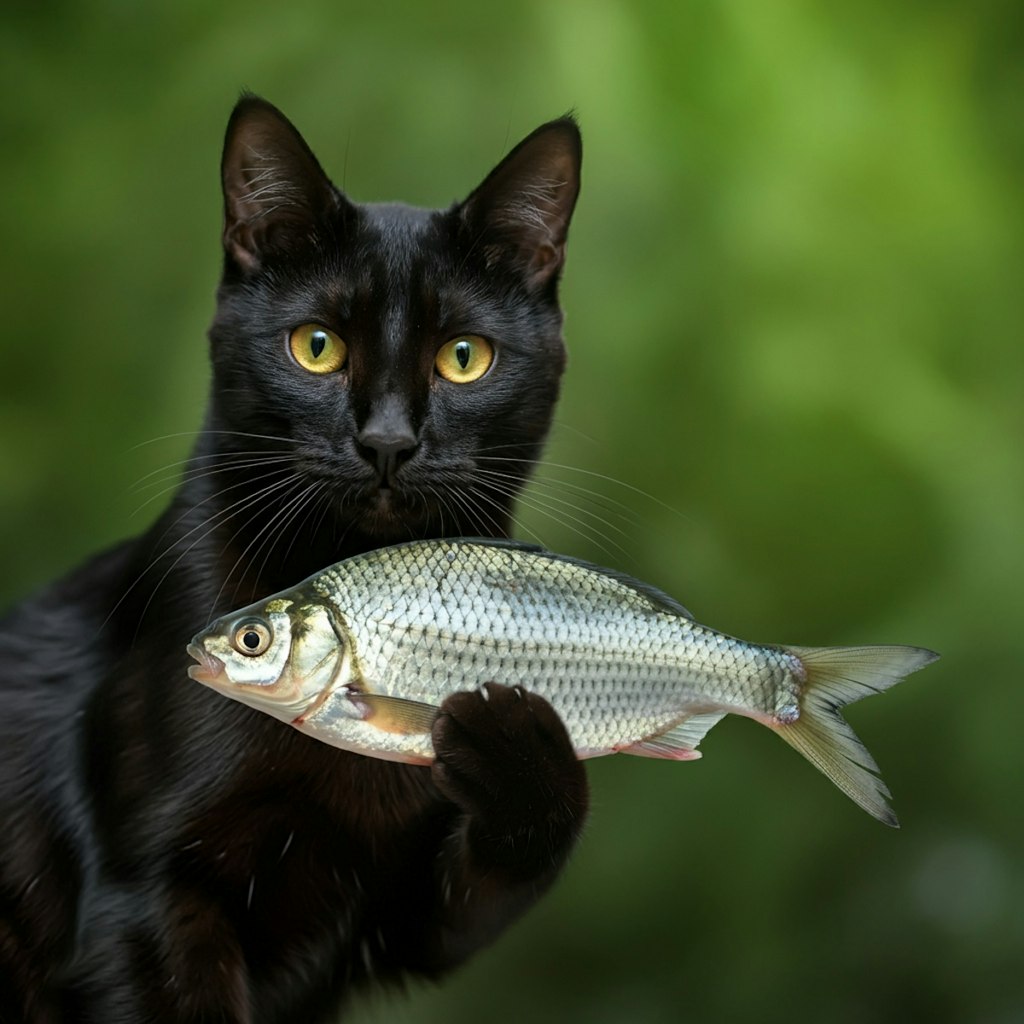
(794, 313)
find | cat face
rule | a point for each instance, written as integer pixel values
(402, 363)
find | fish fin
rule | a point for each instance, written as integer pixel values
(396, 714)
(837, 676)
(680, 742)
(658, 598)
(492, 542)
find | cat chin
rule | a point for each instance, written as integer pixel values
(388, 518)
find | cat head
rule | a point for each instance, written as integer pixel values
(403, 364)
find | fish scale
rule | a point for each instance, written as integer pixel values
(363, 654)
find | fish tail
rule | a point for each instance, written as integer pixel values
(837, 676)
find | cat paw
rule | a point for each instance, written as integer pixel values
(504, 756)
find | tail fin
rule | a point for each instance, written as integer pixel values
(837, 676)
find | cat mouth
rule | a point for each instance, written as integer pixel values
(385, 499)
(393, 509)
(386, 508)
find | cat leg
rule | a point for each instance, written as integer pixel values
(505, 759)
(206, 973)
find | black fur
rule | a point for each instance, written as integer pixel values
(169, 855)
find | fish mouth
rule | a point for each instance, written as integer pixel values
(209, 668)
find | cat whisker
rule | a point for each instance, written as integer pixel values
(299, 505)
(216, 495)
(475, 515)
(478, 497)
(223, 433)
(199, 474)
(551, 485)
(452, 495)
(593, 527)
(197, 463)
(602, 498)
(508, 446)
(546, 464)
(284, 495)
(555, 506)
(456, 504)
(427, 510)
(213, 522)
(588, 531)
(559, 425)
(313, 498)
(449, 502)
(539, 464)
(323, 503)
(453, 507)
(441, 505)
(272, 529)
(618, 517)
(208, 525)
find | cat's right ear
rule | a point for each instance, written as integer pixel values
(275, 192)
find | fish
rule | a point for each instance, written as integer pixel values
(362, 654)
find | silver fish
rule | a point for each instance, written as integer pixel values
(362, 654)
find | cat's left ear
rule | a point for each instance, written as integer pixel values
(275, 192)
(521, 212)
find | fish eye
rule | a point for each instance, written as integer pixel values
(252, 638)
(464, 359)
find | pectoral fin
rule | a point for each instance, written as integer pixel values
(396, 714)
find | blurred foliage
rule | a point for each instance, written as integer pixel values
(794, 310)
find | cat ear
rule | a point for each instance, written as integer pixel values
(275, 192)
(522, 209)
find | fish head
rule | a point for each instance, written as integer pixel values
(282, 655)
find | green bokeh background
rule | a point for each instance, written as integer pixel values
(794, 312)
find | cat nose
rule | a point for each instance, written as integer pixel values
(386, 437)
(386, 443)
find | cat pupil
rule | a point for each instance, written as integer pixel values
(462, 353)
(317, 344)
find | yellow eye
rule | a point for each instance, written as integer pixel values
(317, 349)
(464, 359)
(252, 638)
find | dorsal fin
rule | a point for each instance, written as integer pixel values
(657, 597)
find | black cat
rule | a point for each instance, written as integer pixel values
(380, 373)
